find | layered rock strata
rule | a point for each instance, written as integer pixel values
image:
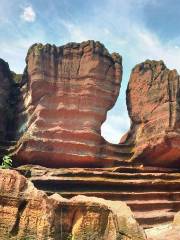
(27, 213)
(153, 194)
(153, 102)
(65, 95)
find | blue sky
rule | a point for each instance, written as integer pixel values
(137, 29)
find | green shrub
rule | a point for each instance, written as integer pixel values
(6, 162)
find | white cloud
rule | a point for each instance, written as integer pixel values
(75, 32)
(150, 46)
(14, 52)
(28, 14)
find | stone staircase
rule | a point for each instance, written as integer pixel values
(153, 194)
(116, 155)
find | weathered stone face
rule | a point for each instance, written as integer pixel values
(66, 94)
(153, 98)
(28, 213)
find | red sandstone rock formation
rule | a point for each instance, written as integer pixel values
(153, 101)
(27, 213)
(66, 94)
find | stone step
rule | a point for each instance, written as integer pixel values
(125, 196)
(119, 148)
(148, 219)
(134, 168)
(146, 212)
(114, 155)
(100, 185)
(116, 159)
(120, 176)
(153, 194)
(146, 169)
(117, 152)
(98, 174)
(134, 204)
(152, 205)
(129, 168)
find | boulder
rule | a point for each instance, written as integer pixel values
(28, 213)
(153, 102)
(65, 95)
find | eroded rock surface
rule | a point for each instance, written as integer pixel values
(26, 212)
(153, 101)
(66, 94)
